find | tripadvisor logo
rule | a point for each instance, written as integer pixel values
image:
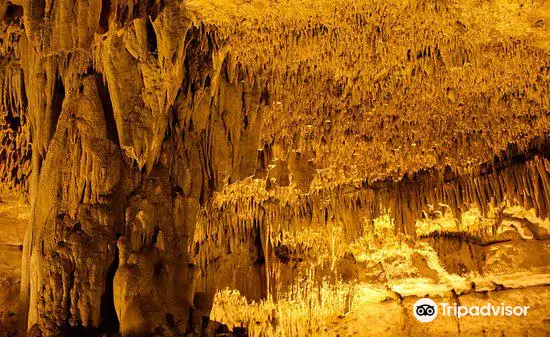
(426, 310)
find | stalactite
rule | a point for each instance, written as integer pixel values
(179, 148)
(232, 219)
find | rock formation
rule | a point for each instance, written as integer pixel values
(171, 149)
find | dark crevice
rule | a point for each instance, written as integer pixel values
(24, 100)
(108, 322)
(103, 92)
(57, 103)
(264, 97)
(122, 14)
(14, 122)
(154, 7)
(104, 16)
(151, 38)
(13, 14)
(260, 263)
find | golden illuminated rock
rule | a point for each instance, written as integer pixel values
(288, 168)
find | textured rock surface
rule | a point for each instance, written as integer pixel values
(289, 150)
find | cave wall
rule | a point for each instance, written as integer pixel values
(165, 148)
(133, 123)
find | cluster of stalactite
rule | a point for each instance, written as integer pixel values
(172, 145)
(247, 224)
(445, 112)
(15, 151)
(401, 88)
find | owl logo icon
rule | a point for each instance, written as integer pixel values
(425, 310)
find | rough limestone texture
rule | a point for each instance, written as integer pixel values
(162, 151)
